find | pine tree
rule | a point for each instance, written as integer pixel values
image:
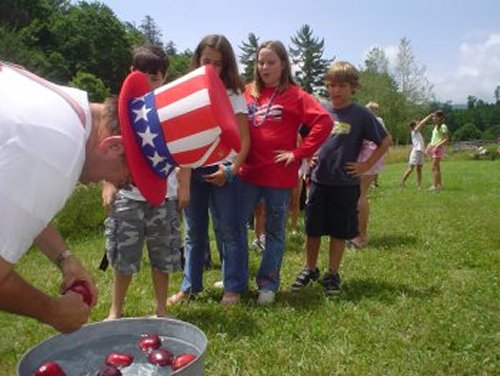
(376, 61)
(307, 56)
(410, 75)
(151, 31)
(248, 57)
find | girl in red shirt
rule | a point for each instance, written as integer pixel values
(276, 109)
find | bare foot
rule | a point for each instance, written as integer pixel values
(176, 298)
(113, 316)
(230, 298)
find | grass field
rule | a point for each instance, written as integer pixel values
(422, 299)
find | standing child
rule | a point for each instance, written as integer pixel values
(416, 159)
(437, 148)
(367, 180)
(276, 109)
(333, 198)
(216, 188)
(132, 220)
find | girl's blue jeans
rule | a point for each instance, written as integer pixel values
(276, 203)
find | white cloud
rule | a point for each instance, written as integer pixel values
(477, 74)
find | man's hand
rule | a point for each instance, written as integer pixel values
(108, 195)
(68, 312)
(73, 271)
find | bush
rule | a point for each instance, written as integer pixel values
(83, 215)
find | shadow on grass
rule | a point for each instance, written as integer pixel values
(235, 321)
(392, 241)
(358, 290)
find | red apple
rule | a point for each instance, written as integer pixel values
(50, 369)
(119, 359)
(107, 370)
(182, 360)
(161, 357)
(81, 287)
(149, 342)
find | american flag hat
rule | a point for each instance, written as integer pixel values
(188, 122)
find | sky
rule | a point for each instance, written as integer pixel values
(456, 41)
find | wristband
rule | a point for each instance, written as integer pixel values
(228, 173)
(61, 257)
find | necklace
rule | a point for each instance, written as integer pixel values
(266, 113)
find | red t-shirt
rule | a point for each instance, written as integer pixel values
(274, 119)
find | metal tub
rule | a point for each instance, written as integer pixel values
(83, 352)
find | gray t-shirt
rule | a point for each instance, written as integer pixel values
(352, 125)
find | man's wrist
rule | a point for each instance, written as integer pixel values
(62, 257)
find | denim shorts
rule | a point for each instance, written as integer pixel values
(332, 211)
(132, 223)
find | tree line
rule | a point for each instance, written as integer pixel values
(85, 45)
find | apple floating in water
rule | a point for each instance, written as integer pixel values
(182, 360)
(149, 342)
(116, 359)
(50, 369)
(161, 357)
(107, 370)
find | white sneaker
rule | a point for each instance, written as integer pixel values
(266, 297)
(219, 284)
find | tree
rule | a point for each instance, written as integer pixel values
(381, 88)
(170, 48)
(248, 57)
(151, 31)
(468, 132)
(497, 94)
(134, 36)
(93, 85)
(179, 64)
(93, 40)
(410, 76)
(376, 61)
(17, 14)
(307, 55)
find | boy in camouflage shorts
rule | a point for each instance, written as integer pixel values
(133, 221)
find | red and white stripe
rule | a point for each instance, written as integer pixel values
(185, 113)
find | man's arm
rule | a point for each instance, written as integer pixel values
(53, 246)
(65, 313)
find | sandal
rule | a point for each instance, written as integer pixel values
(357, 243)
(177, 298)
(230, 299)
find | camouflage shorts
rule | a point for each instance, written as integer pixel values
(132, 223)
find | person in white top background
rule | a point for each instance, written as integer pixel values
(417, 153)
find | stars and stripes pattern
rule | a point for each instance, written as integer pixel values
(174, 125)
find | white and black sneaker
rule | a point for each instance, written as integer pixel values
(305, 277)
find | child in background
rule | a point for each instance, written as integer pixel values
(417, 154)
(368, 179)
(276, 109)
(133, 221)
(216, 188)
(333, 198)
(375, 108)
(437, 148)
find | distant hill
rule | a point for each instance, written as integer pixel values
(459, 106)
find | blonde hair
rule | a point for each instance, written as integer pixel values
(286, 75)
(343, 71)
(373, 106)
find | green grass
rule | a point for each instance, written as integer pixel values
(422, 299)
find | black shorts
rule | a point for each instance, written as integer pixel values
(333, 211)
